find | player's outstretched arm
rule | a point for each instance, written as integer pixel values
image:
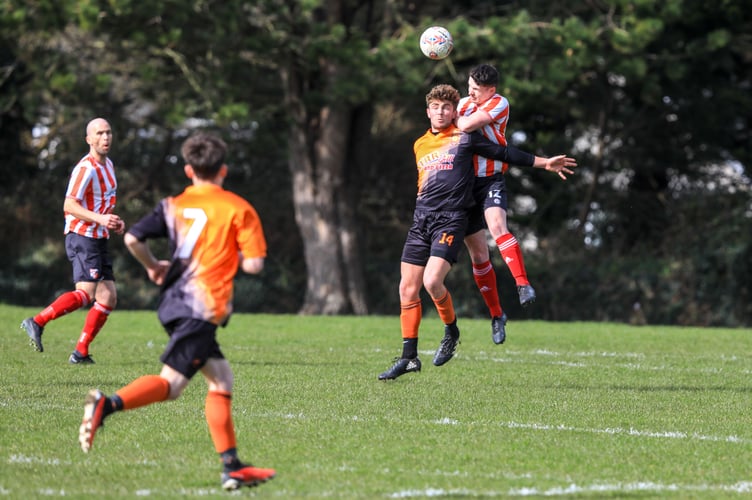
(560, 164)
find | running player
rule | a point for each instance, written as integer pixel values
(444, 159)
(89, 218)
(211, 232)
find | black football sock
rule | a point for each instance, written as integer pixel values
(453, 330)
(115, 404)
(230, 459)
(410, 348)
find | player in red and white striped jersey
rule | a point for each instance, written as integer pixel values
(89, 219)
(487, 111)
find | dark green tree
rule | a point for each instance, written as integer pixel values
(321, 102)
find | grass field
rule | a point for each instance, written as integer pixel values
(560, 410)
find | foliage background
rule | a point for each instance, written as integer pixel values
(653, 98)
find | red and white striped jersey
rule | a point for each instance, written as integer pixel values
(94, 186)
(498, 107)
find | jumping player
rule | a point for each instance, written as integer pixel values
(444, 159)
(211, 232)
(486, 111)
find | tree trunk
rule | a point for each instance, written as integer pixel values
(318, 155)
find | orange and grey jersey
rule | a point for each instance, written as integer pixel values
(498, 108)
(209, 229)
(445, 166)
(94, 186)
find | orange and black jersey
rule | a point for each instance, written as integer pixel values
(445, 166)
(207, 228)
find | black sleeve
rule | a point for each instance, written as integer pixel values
(509, 154)
(150, 226)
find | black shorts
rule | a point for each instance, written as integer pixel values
(437, 234)
(487, 192)
(192, 343)
(90, 258)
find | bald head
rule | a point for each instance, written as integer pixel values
(96, 123)
(99, 138)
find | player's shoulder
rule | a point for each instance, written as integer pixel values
(86, 162)
(466, 107)
(233, 197)
(497, 107)
(496, 101)
(236, 204)
(427, 136)
(83, 171)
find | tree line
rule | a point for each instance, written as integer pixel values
(320, 102)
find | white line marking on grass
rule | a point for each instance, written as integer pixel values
(23, 459)
(546, 352)
(629, 432)
(574, 489)
(446, 421)
(615, 431)
(571, 364)
(433, 492)
(49, 492)
(604, 354)
(632, 361)
(643, 486)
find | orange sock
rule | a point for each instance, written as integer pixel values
(410, 316)
(512, 255)
(66, 303)
(445, 308)
(144, 391)
(219, 417)
(485, 278)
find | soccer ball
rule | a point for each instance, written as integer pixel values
(436, 42)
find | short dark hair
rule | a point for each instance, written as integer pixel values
(205, 153)
(443, 93)
(485, 74)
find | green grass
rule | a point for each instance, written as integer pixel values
(561, 409)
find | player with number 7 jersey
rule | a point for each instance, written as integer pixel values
(206, 226)
(211, 233)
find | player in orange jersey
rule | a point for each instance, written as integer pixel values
(211, 232)
(89, 218)
(444, 159)
(487, 111)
